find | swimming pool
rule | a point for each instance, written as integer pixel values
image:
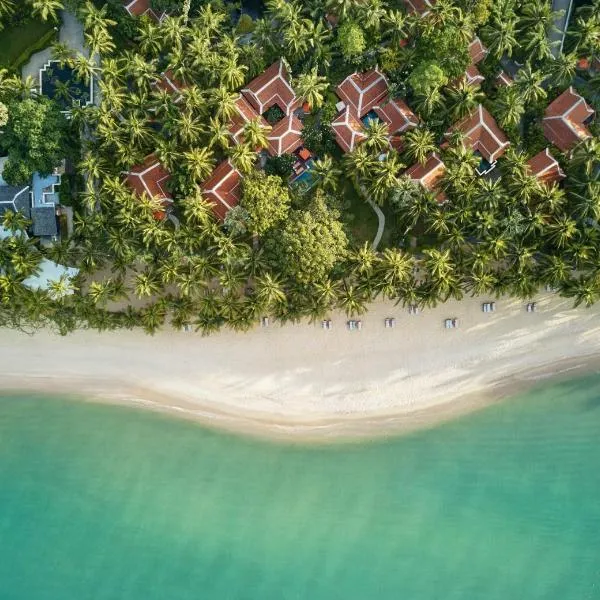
(370, 116)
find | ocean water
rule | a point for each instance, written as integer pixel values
(106, 503)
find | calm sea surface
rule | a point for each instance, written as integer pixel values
(104, 503)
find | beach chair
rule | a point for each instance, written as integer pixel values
(264, 321)
(359, 324)
(448, 324)
(492, 306)
(324, 324)
(454, 323)
(392, 322)
(351, 325)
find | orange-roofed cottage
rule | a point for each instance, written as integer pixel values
(545, 167)
(477, 52)
(483, 136)
(348, 130)
(565, 120)
(223, 188)
(138, 8)
(151, 178)
(429, 174)
(363, 91)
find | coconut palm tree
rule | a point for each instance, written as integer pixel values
(255, 133)
(232, 74)
(463, 99)
(384, 178)
(311, 87)
(243, 157)
(509, 107)
(418, 144)
(530, 84)
(358, 163)
(224, 103)
(46, 9)
(327, 173)
(199, 163)
(587, 155)
(561, 69)
(500, 35)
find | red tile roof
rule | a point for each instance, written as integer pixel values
(473, 76)
(170, 84)
(286, 136)
(245, 113)
(564, 119)
(137, 8)
(421, 7)
(503, 79)
(363, 91)
(477, 51)
(272, 87)
(150, 178)
(545, 167)
(482, 134)
(429, 174)
(348, 130)
(223, 188)
(397, 116)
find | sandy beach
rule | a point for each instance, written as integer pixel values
(299, 381)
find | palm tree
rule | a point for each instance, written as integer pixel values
(377, 135)
(232, 74)
(219, 133)
(146, 285)
(587, 155)
(311, 87)
(352, 300)
(499, 35)
(358, 163)
(562, 230)
(530, 83)
(419, 143)
(464, 98)
(395, 26)
(199, 163)
(269, 291)
(243, 157)
(561, 69)
(327, 173)
(224, 102)
(255, 133)
(385, 177)
(509, 107)
(149, 38)
(585, 290)
(46, 9)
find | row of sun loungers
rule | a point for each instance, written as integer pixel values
(451, 323)
(488, 307)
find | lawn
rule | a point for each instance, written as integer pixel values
(15, 41)
(361, 219)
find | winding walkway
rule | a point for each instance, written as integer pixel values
(380, 226)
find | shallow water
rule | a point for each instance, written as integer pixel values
(106, 503)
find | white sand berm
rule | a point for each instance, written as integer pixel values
(302, 381)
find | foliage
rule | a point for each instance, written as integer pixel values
(35, 139)
(245, 24)
(266, 199)
(427, 77)
(351, 39)
(280, 165)
(274, 114)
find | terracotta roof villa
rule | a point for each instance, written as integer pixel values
(150, 178)
(272, 87)
(348, 130)
(286, 136)
(484, 136)
(223, 188)
(545, 167)
(397, 116)
(429, 174)
(363, 91)
(565, 120)
(137, 8)
(477, 52)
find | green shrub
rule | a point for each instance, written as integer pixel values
(245, 24)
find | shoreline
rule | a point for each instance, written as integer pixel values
(300, 383)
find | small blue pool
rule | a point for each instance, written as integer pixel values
(370, 116)
(485, 166)
(61, 85)
(307, 178)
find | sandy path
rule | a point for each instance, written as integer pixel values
(300, 380)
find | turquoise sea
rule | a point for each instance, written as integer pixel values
(106, 503)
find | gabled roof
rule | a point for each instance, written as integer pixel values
(15, 199)
(545, 167)
(564, 120)
(348, 130)
(223, 188)
(363, 91)
(286, 136)
(170, 84)
(473, 76)
(397, 116)
(271, 87)
(137, 8)
(503, 79)
(477, 51)
(482, 134)
(43, 219)
(421, 7)
(429, 174)
(245, 113)
(150, 178)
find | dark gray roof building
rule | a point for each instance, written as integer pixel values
(15, 198)
(44, 221)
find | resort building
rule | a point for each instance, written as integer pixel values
(482, 134)
(421, 7)
(168, 83)
(151, 178)
(137, 8)
(477, 52)
(286, 136)
(348, 130)
(223, 188)
(429, 174)
(245, 114)
(397, 116)
(363, 91)
(545, 167)
(565, 120)
(503, 79)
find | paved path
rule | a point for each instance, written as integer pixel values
(560, 23)
(381, 219)
(70, 33)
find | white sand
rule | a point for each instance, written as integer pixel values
(300, 380)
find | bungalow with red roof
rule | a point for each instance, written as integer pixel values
(137, 8)
(286, 136)
(151, 178)
(477, 52)
(429, 174)
(168, 83)
(545, 167)
(397, 116)
(483, 136)
(223, 188)
(503, 79)
(363, 91)
(272, 87)
(348, 130)
(565, 120)
(421, 7)
(245, 113)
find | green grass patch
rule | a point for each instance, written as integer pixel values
(359, 216)
(18, 43)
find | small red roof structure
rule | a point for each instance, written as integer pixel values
(565, 119)
(482, 134)
(137, 8)
(245, 113)
(421, 7)
(545, 167)
(363, 91)
(150, 178)
(477, 51)
(503, 79)
(286, 136)
(348, 130)
(223, 188)
(397, 116)
(473, 76)
(429, 174)
(272, 87)
(170, 84)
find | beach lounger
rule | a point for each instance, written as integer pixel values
(264, 321)
(392, 322)
(351, 325)
(359, 324)
(454, 323)
(448, 324)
